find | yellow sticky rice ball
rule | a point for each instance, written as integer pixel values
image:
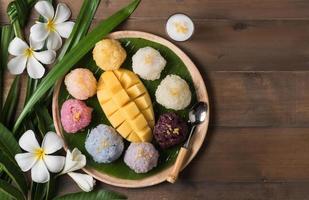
(81, 83)
(109, 54)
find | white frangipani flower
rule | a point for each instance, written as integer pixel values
(74, 160)
(84, 181)
(55, 25)
(27, 56)
(38, 158)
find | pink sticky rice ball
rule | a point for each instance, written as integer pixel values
(75, 115)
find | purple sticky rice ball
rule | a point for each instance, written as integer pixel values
(170, 130)
(75, 115)
(141, 157)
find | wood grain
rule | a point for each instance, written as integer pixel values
(210, 190)
(200, 9)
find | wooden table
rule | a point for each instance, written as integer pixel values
(254, 57)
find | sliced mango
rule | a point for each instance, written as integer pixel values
(127, 104)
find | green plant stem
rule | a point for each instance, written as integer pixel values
(73, 56)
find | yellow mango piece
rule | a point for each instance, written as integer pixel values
(130, 110)
(149, 115)
(118, 73)
(121, 98)
(127, 104)
(143, 101)
(129, 79)
(111, 81)
(133, 137)
(138, 123)
(145, 134)
(109, 108)
(104, 95)
(116, 118)
(124, 129)
(136, 90)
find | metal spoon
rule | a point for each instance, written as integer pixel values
(197, 115)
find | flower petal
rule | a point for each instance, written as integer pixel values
(45, 57)
(28, 142)
(17, 47)
(39, 172)
(34, 68)
(54, 163)
(52, 143)
(54, 41)
(45, 9)
(36, 45)
(39, 32)
(84, 181)
(62, 13)
(25, 161)
(74, 161)
(64, 29)
(17, 65)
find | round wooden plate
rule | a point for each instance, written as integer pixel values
(197, 139)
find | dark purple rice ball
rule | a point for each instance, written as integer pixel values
(170, 130)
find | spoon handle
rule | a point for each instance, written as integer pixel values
(172, 177)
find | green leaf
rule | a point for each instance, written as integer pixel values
(94, 195)
(6, 37)
(74, 55)
(31, 87)
(81, 26)
(50, 189)
(14, 172)
(38, 191)
(9, 108)
(18, 12)
(8, 143)
(7, 191)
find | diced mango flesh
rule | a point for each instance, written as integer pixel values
(127, 104)
(136, 90)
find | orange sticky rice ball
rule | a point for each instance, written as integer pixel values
(109, 54)
(81, 83)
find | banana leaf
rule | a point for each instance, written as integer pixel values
(174, 66)
(74, 55)
(94, 195)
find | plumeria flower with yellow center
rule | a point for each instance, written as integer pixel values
(75, 160)
(38, 158)
(55, 25)
(28, 57)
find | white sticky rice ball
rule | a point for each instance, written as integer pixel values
(148, 63)
(173, 93)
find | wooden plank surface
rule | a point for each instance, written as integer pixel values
(254, 57)
(201, 9)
